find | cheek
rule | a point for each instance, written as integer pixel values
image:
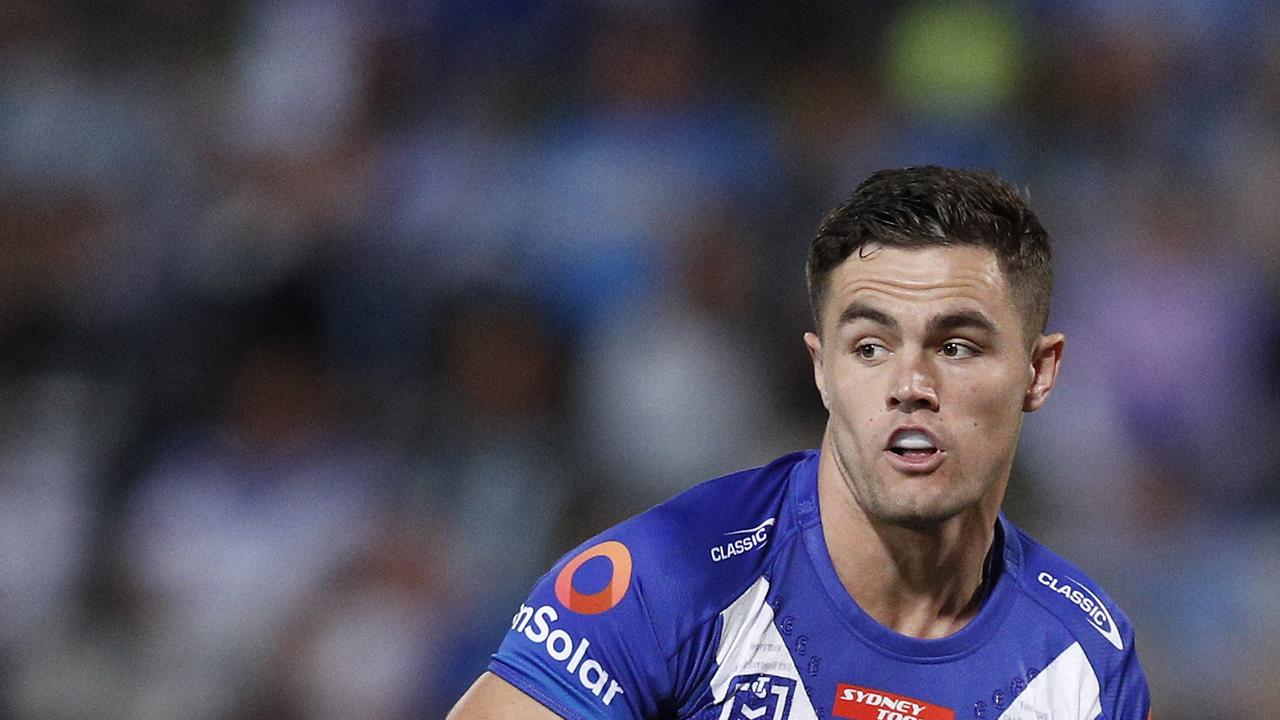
(855, 417)
(852, 409)
(991, 402)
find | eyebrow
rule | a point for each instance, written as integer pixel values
(938, 324)
(960, 320)
(860, 311)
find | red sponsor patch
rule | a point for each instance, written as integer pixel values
(861, 703)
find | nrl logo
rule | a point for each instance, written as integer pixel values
(759, 697)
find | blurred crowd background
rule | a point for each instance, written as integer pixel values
(325, 327)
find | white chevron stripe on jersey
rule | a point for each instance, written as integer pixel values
(751, 643)
(1065, 690)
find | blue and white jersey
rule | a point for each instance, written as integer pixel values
(723, 604)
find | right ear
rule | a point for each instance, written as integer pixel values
(814, 344)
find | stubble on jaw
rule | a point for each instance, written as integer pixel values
(870, 502)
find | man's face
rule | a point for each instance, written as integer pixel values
(925, 369)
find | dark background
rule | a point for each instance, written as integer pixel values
(326, 327)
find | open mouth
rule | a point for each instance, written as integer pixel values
(913, 444)
(913, 453)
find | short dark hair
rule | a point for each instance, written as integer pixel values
(936, 206)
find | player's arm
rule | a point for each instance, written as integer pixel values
(492, 698)
(574, 653)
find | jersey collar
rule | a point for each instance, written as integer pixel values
(1000, 591)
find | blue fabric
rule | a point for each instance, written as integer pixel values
(690, 580)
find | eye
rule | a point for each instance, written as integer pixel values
(958, 350)
(870, 351)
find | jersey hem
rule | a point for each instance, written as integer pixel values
(526, 685)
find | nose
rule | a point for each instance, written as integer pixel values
(913, 387)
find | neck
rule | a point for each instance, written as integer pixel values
(925, 582)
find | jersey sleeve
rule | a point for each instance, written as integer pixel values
(1128, 697)
(583, 644)
(1097, 624)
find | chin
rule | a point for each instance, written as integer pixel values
(919, 520)
(920, 515)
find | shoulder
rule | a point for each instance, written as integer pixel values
(1065, 591)
(621, 624)
(690, 557)
(1083, 608)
